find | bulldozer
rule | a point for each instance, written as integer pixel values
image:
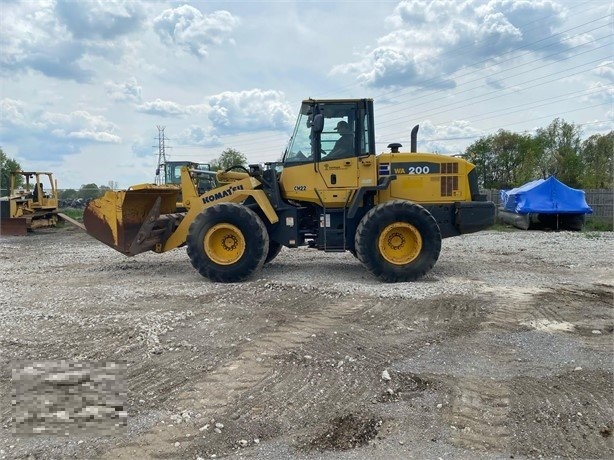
(30, 205)
(330, 192)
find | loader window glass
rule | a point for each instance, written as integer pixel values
(173, 174)
(299, 148)
(338, 138)
(364, 145)
(345, 133)
(342, 131)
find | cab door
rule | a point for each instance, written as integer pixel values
(342, 170)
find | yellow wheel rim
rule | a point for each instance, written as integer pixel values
(224, 244)
(400, 243)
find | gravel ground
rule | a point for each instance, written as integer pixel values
(504, 350)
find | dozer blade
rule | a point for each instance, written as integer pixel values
(132, 221)
(17, 226)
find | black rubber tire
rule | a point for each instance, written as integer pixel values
(274, 250)
(377, 220)
(252, 230)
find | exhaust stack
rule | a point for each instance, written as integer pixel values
(414, 139)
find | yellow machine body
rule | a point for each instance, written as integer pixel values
(31, 205)
(420, 177)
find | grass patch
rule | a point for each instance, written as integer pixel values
(598, 224)
(74, 213)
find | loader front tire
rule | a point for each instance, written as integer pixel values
(274, 250)
(227, 242)
(398, 241)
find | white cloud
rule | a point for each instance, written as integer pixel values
(445, 139)
(433, 40)
(53, 134)
(250, 110)
(496, 32)
(80, 125)
(57, 38)
(13, 112)
(169, 109)
(196, 135)
(606, 71)
(192, 30)
(100, 19)
(128, 91)
(600, 93)
(163, 108)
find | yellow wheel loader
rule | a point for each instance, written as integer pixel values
(331, 192)
(32, 205)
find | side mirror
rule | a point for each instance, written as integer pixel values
(317, 125)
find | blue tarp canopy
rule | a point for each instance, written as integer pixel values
(545, 196)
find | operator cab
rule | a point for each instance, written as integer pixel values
(328, 130)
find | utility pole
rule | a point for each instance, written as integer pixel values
(161, 154)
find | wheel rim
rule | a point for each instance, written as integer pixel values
(400, 243)
(224, 244)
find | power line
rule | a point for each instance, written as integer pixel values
(495, 94)
(530, 70)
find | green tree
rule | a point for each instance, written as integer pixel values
(561, 147)
(103, 189)
(7, 165)
(479, 153)
(229, 157)
(503, 160)
(89, 191)
(68, 194)
(598, 159)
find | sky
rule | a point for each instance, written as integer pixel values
(87, 85)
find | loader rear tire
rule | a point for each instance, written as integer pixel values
(398, 241)
(227, 242)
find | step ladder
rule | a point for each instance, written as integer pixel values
(334, 238)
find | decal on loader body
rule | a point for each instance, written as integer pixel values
(223, 194)
(415, 167)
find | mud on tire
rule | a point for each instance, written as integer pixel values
(227, 242)
(398, 241)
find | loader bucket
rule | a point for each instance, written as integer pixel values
(132, 221)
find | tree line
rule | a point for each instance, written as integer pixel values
(506, 159)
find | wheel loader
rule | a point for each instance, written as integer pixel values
(330, 192)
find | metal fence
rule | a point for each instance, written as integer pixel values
(600, 200)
